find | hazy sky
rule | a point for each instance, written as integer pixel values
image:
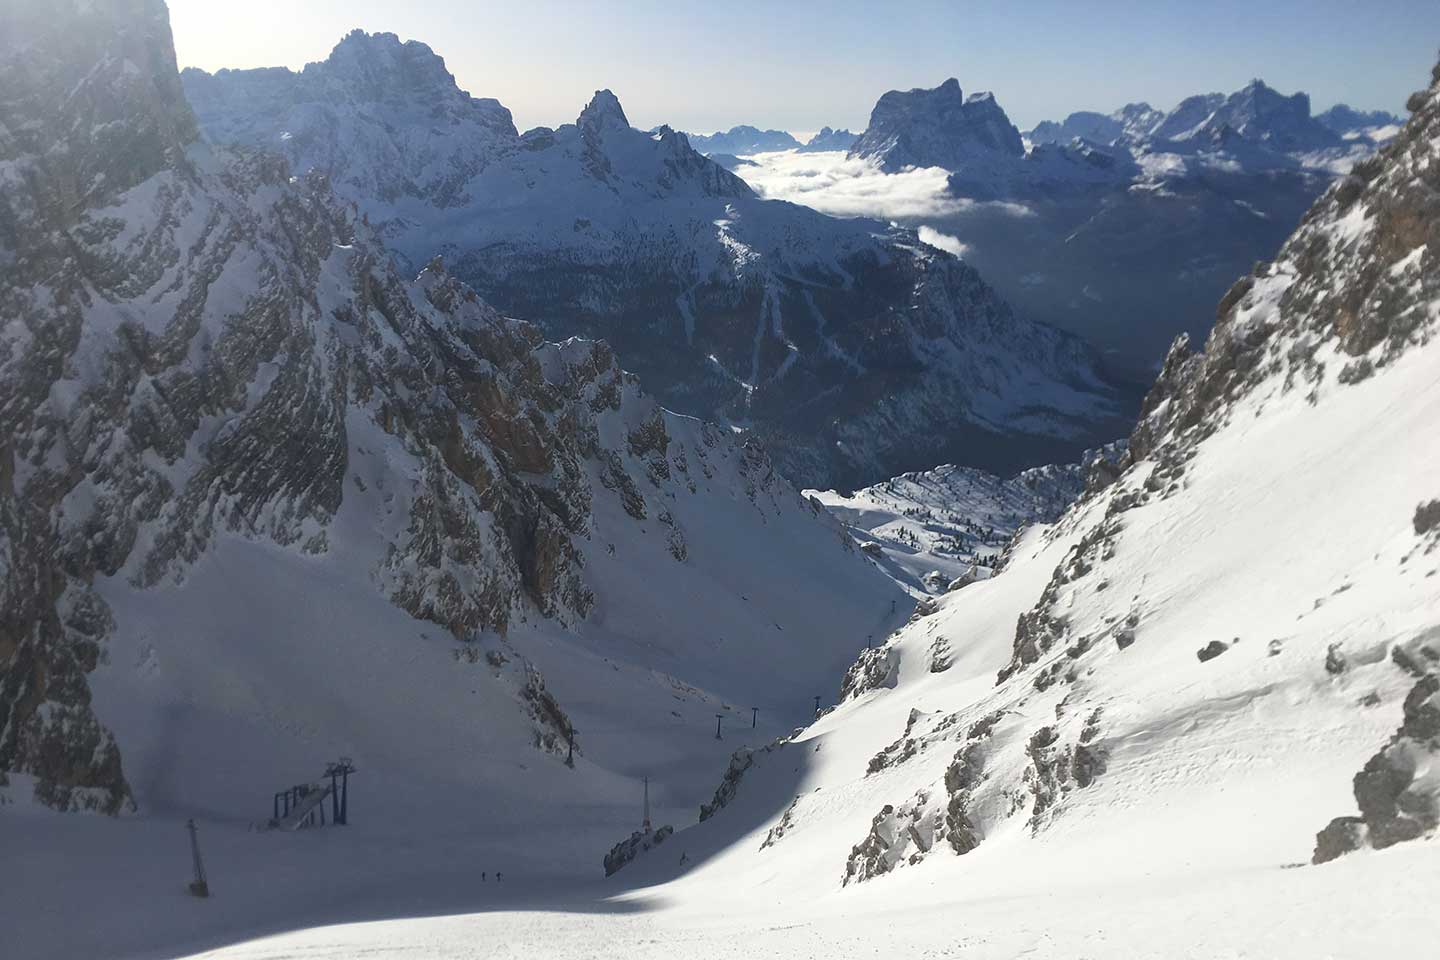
(701, 66)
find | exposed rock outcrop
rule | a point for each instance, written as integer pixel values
(1398, 791)
(639, 842)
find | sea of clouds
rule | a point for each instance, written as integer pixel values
(832, 184)
(836, 185)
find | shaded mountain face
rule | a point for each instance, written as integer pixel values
(936, 128)
(731, 162)
(1133, 121)
(1345, 120)
(742, 140)
(254, 480)
(1125, 227)
(1255, 115)
(828, 139)
(852, 349)
(1084, 123)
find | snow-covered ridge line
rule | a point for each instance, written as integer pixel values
(740, 310)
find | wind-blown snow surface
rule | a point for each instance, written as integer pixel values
(1045, 765)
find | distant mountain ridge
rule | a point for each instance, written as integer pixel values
(742, 140)
(1122, 227)
(830, 139)
(1344, 120)
(852, 349)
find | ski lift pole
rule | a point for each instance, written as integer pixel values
(199, 886)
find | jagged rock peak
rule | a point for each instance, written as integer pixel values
(1259, 98)
(831, 139)
(603, 109)
(938, 127)
(378, 61)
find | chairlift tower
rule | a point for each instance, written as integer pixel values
(645, 824)
(340, 771)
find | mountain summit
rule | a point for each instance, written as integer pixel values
(851, 348)
(604, 108)
(936, 128)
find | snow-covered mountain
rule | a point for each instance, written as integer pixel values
(266, 500)
(265, 497)
(830, 139)
(1374, 125)
(851, 348)
(1223, 663)
(1257, 112)
(941, 529)
(1256, 115)
(1256, 129)
(1133, 121)
(1122, 227)
(1171, 725)
(742, 141)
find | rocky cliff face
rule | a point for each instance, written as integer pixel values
(937, 128)
(91, 106)
(204, 349)
(853, 350)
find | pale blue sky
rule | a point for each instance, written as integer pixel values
(700, 66)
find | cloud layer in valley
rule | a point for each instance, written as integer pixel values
(833, 184)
